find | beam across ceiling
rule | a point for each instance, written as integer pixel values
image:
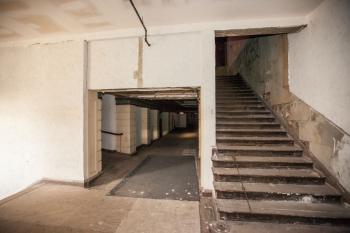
(259, 31)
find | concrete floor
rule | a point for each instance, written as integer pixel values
(57, 208)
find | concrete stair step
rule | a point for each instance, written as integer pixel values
(283, 211)
(264, 227)
(268, 175)
(254, 140)
(247, 125)
(241, 107)
(235, 92)
(247, 118)
(292, 192)
(233, 89)
(237, 98)
(265, 150)
(234, 95)
(237, 105)
(242, 112)
(234, 101)
(230, 131)
(261, 162)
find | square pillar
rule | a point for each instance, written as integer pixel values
(145, 126)
(126, 125)
(155, 124)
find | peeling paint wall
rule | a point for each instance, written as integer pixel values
(264, 64)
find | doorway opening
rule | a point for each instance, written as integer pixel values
(144, 143)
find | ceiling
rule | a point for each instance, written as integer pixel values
(22, 19)
(164, 99)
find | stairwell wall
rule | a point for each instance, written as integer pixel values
(308, 86)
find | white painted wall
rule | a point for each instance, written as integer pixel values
(42, 115)
(319, 58)
(109, 122)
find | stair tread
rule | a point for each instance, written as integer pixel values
(249, 130)
(243, 110)
(316, 190)
(261, 148)
(268, 115)
(245, 123)
(275, 172)
(249, 227)
(286, 208)
(267, 159)
(252, 138)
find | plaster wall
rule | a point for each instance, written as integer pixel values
(42, 115)
(109, 122)
(264, 64)
(319, 61)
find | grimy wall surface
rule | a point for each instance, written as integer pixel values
(312, 91)
(42, 116)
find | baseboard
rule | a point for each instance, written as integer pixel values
(62, 182)
(38, 184)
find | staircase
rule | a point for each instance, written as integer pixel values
(263, 181)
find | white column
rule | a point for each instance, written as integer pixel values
(155, 124)
(126, 125)
(165, 123)
(145, 129)
(109, 123)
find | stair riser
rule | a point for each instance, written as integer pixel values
(261, 153)
(242, 113)
(231, 85)
(247, 126)
(281, 218)
(276, 196)
(245, 119)
(240, 108)
(232, 106)
(241, 102)
(269, 179)
(233, 95)
(261, 165)
(236, 142)
(248, 133)
(236, 98)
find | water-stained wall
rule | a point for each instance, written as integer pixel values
(264, 64)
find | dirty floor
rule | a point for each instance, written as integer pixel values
(58, 208)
